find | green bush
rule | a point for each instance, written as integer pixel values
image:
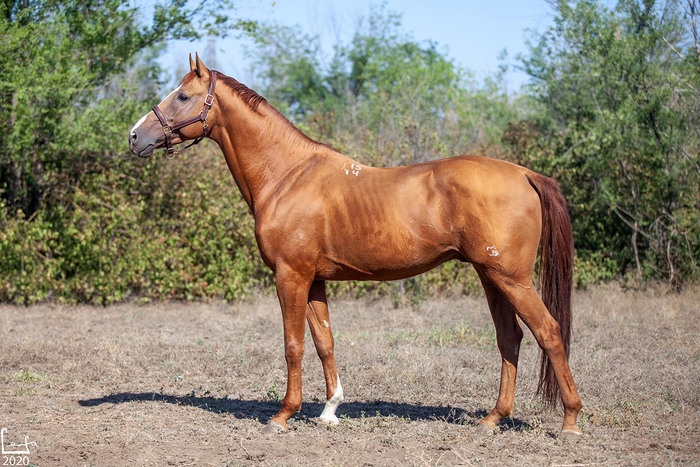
(174, 230)
(609, 114)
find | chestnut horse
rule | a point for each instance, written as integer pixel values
(320, 215)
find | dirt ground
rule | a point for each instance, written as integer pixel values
(193, 384)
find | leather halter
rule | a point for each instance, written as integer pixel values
(201, 117)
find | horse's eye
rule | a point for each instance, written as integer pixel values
(182, 97)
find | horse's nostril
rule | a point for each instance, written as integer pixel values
(133, 136)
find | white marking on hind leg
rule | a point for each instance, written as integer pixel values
(328, 415)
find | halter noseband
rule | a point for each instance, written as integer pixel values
(202, 117)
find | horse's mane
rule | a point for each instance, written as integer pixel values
(252, 99)
(247, 95)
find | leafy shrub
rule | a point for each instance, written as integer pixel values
(178, 230)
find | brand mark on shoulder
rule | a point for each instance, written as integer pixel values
(354, 168)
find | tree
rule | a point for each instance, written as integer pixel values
(383, 97)
(75, 222)
(61, 62)
(619, 94)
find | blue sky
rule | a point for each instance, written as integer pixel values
(474, 32)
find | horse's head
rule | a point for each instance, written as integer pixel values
(180, 117)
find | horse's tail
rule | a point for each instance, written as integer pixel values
(556, 272)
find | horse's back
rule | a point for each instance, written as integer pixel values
(470, 208)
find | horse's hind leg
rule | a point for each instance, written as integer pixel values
(320, 325)
(509, 334)
(521, 293)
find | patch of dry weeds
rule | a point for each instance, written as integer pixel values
(184, 384)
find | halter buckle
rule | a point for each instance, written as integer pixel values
(209, 100)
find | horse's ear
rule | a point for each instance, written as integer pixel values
(200, 69)
(193, 65)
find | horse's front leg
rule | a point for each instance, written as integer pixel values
(320, 325)
(293, 293)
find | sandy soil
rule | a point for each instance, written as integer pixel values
(193, 384)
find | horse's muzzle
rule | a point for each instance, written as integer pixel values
(138, 147)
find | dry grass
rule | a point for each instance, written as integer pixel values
(183, 384)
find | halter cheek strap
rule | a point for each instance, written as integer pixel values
(202, 117)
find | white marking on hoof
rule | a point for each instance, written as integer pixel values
(492, 251)
(325, 323)
(328, 414)
(320, 422)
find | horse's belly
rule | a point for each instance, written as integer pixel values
(381, 261)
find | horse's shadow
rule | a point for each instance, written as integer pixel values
(264, 410)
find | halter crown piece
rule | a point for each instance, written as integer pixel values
(201, 117)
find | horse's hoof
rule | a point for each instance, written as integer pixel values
(274, 428)
(482, 429)
(324, 422)
(570, 436)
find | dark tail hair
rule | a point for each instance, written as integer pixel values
(556, 272)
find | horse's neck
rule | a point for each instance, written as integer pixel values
(259, 147)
